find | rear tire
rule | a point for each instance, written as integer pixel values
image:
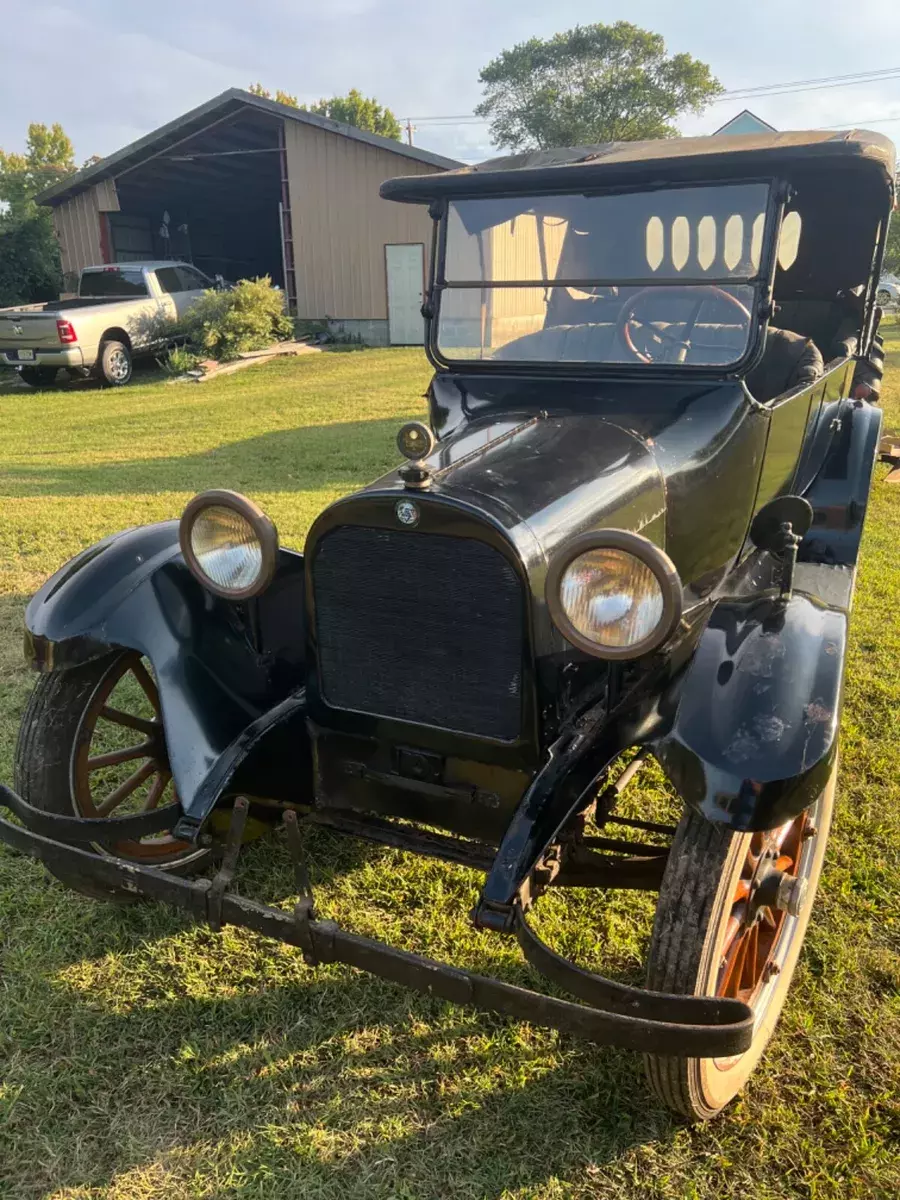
(883, 297)
(694, 937)
(38, 377)
(114, 366)
(64, 723)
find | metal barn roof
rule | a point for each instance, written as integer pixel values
(214, 112)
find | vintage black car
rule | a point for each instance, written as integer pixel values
(630, 530)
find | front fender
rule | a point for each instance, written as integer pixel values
(221, 667)
(752, 734)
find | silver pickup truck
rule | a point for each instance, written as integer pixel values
(121, 311)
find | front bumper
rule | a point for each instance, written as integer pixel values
(614, 1014)
(70, 357)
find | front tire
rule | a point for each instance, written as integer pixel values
(114, 365)
(714, 936)
(91, 744)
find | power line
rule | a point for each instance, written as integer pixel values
(855, 77)
(819, 87)
(824, 82)
(862, 122)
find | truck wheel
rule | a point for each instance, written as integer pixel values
(114, 364)
(732, 914)
(883, 297)
(92, 743)
(38, 377)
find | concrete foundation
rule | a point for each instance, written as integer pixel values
(370, 332)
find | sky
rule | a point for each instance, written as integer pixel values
(113, 70)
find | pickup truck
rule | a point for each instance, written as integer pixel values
(121, 311)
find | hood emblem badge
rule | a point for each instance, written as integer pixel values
(407, 513)
(18, 330)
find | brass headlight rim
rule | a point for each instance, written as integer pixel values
(261, 524)
(646, 552)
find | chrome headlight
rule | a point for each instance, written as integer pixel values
(229, 543)
(614, 594)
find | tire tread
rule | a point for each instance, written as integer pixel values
(699, 852)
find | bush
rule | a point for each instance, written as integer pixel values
(29, 263)
(179, 360)
(222, 325)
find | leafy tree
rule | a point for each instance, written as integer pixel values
(362, 111)
(29, 263)
(594, 83)
(280, 97)
(352, 109)
(48, 158)
(29, 254)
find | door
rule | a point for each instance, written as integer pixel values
(193, 284)
(405, 266)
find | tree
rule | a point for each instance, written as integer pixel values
(352, 109)
(29, 254)
(362, 111)
(595, 83)
(48, 158)
(29, 263)
(257, 89)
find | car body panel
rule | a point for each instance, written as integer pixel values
(754, 731)
(220, 669)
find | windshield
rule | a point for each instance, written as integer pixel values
(665, 276)
(113, 282)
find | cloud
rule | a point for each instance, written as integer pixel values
(111, 72)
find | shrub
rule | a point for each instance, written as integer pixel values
(179, 360)
(222, 325)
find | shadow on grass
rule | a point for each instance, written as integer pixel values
(145, 370)
(310, 457)
(137, 1043)
(328, 1085)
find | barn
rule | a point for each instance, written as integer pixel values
(243, 186)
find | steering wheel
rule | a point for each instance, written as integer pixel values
(676, 340)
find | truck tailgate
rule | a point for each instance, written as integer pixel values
(28, 330)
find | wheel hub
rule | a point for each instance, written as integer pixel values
(121, 763)
(770, 890)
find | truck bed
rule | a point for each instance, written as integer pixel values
(28, 310)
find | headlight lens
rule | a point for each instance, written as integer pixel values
(226, 548)
(614, 594)
(229, 544)
(611, 597)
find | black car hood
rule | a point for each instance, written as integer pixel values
(549, 478)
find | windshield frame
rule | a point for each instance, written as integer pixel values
(761, 283)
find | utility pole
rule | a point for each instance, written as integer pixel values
(409, 130)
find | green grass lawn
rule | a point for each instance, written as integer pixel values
(142, 1057)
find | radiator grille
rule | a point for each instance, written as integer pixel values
(420, 627)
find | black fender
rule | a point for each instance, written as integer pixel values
(839, 494)
(230, 675)
(752, 722)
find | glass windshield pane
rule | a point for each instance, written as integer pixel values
(676, 233)
(574, 278)
(694, 325)
(112, 282)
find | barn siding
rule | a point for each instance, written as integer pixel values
(77, 225)
(341, 225)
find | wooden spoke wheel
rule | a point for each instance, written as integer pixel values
(92, 742)
(732, 914)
